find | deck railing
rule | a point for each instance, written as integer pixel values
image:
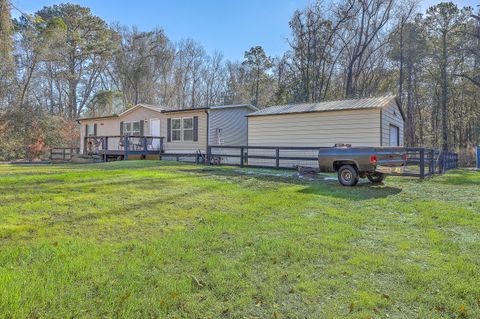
(123, 145)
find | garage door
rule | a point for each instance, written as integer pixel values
(394, 135)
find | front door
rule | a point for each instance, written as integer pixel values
(155, 131)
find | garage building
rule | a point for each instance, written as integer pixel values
(377, 121)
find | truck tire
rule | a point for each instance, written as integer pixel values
(376, 177)
(348, 175)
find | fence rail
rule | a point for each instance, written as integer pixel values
(63, 154)
(422, 162)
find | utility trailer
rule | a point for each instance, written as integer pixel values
(353, 163)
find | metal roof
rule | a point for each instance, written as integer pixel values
(219, 107)
(336, 105)
(185, 110)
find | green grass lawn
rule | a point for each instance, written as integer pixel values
(149, 239)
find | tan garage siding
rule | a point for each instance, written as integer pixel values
(356, 127)
(391, 115)
(187, 146)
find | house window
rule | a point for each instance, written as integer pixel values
(131, 128)
(176, 130)
(90, 130)
(188, 129)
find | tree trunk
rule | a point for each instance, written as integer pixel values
(72, 87)
(410, 108)
(349, 82)
(400, 77)
(444, 99)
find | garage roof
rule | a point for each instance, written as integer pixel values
(326, 106)
(231, 106)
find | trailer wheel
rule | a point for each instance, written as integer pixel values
(348, 175)
(376, 177)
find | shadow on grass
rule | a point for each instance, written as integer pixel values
(316, 186)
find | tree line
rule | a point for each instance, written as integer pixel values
(63, 62)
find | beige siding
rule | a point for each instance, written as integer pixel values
(391, 116)
(111, 126)
(356, 127)
(187, 146)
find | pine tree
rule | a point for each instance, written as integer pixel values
(6, 50)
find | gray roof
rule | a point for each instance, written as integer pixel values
(336, 105)
(248, 106)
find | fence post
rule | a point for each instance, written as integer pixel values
(431, 169)
(144, 143)
(125, 156)
(422, 163)
(241, 156)
(478, 156)
(277, 158)
(441, 160)
(209, 154)
(161, 149)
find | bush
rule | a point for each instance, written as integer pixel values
(29, 135)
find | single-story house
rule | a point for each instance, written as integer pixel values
(183, 131)
(376, 121)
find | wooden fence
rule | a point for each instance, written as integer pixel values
(63, 154)
(422, 162)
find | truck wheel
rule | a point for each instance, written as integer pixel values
(376, 177)
(347, 175)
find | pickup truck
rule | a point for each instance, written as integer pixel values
(352, 163)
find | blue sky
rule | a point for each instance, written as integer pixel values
(229, 26)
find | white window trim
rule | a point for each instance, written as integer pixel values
(88, 129)
(190, 129)
(176, 129)
(181, 129)
(131, 126)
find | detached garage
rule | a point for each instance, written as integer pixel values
(374, 121)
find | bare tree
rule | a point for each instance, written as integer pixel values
(139, 67)
(214, 78)
(315, 49)
(366, 34)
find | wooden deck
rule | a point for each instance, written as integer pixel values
(120, 147)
